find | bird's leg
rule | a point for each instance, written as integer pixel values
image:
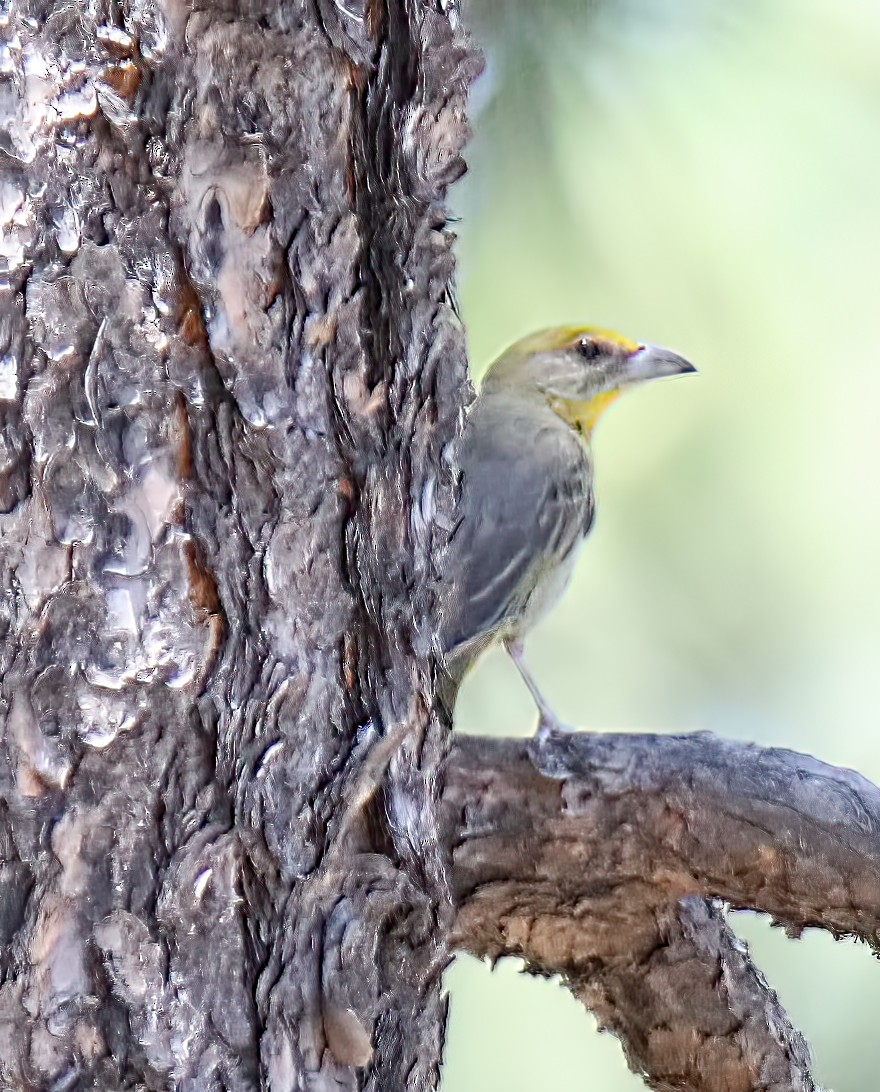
(547, 720)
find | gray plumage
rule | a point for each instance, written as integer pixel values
(527, 505)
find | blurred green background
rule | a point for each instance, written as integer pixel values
(706, 176)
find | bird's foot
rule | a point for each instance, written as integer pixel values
(549, 725)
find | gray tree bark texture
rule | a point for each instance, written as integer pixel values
(236, 850)
(230, 370)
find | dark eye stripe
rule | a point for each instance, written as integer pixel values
(589, 349)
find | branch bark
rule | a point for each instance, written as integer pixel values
(591, 855)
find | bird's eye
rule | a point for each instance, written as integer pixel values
(589, 349)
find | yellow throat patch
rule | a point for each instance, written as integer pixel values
(584, 415)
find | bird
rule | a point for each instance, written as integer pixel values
(526, 501)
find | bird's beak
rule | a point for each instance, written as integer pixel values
(654, 362)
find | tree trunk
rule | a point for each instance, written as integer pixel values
(230, 369)
(235, 849)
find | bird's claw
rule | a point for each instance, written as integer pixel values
(550, 725)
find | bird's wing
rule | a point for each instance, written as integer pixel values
(526, 502)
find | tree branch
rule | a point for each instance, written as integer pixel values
(694, 1012)
(580, 853)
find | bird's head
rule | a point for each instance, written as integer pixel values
(580, 370)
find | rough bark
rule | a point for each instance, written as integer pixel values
(591, 856)
(222, 486)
